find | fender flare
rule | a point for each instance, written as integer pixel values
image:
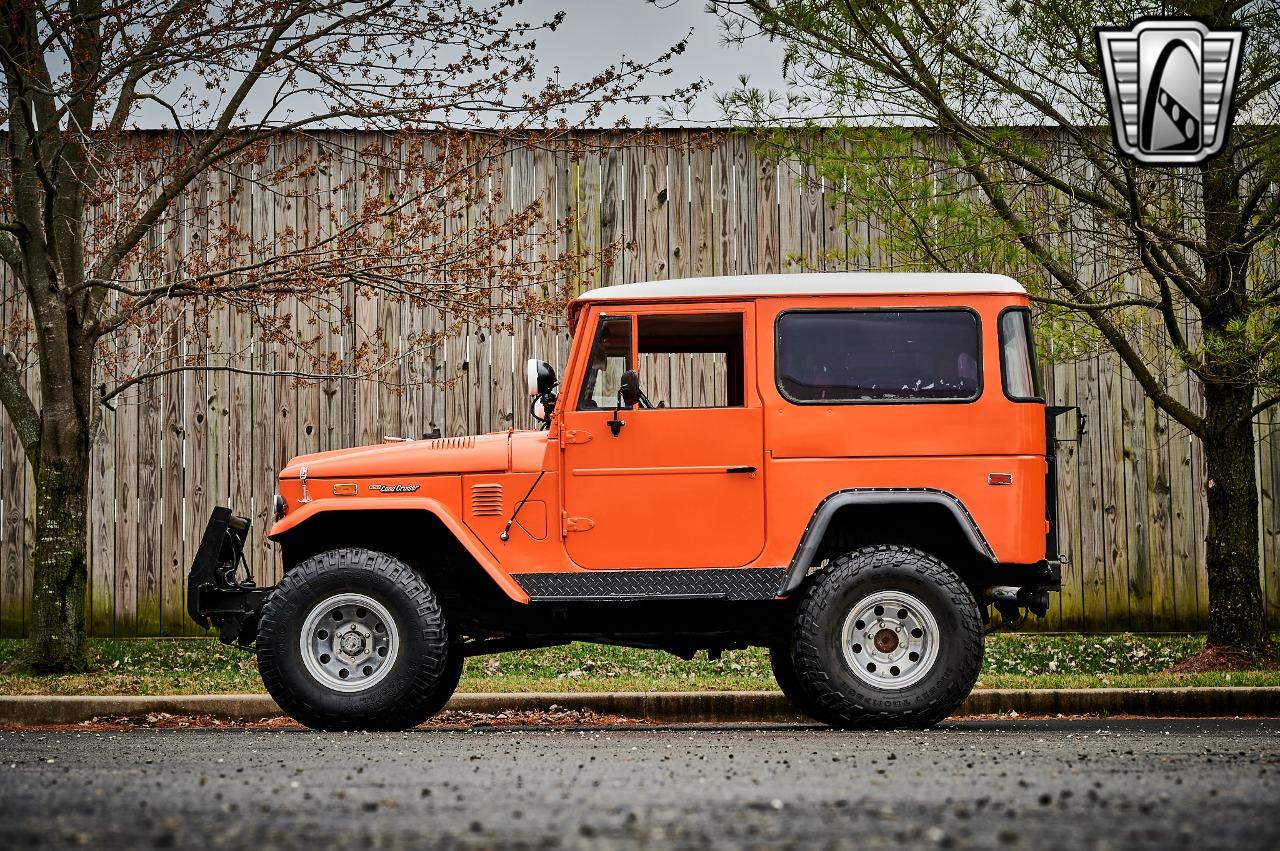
(827, 508)
(473, 545)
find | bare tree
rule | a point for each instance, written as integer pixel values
(926, 113)
(91, 210)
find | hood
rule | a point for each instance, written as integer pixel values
(478, 454)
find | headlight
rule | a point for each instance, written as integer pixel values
(281, 506)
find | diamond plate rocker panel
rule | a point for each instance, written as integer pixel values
(734, 583)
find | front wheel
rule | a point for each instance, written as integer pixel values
(353, 639)
(886, 637)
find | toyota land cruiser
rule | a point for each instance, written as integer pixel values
(847, 469)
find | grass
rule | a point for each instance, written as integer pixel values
(203, 665)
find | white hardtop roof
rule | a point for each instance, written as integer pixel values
(812, 283)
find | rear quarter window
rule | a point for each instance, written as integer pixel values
(1019, 372)
(879, 356)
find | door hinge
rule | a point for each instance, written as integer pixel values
(577, 435)
(579, 524)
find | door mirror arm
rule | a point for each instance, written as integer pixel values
(629, 395)
(615, 425)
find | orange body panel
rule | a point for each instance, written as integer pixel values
(696, 488)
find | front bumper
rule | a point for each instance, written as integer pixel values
(217, 595)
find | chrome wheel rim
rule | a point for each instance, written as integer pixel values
(890, 640)
(349, 642)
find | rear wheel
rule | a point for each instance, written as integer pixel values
(353, 639)
(886, 636)
(784, 671)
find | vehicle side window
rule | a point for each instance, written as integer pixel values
(1018, 357)
(870, 356)
(692, 360)
(610, 357)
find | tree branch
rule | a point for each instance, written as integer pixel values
(1153, 387)
(21, 410)
(1088, 305)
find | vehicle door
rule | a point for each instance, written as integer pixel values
(680, 484)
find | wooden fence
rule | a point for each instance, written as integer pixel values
(1132, 510)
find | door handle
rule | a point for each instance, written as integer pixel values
(740, 469)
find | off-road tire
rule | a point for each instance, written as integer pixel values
(425, 669)
(448, 684)
(834, 694)
(784, 671)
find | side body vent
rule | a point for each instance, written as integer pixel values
(451, 442)
(486, 500)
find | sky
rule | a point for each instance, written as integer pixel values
(597, 33)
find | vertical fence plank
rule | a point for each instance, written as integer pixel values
(1139, 496)
(678, 201)
(1187, 545)
(1115, 524)
(173, 487)
(1160, 508)
(584, 200)
(148, 530)
(789, 216)
(746, 207)
(633, 210)
(1198, 490)
(1071, 599)
(813, 191)
(331, 175)
(612, 231)
(346, 171)
(1093, 558)
(102, 530)
(1270, 525)
(198, 498)
(309, 218)
(126, 506)
(656, 263)
(700, 239)
(836, 237)
(725, 214)
(413, 360)
(243, 419)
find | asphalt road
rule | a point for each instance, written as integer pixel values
(1033, 784)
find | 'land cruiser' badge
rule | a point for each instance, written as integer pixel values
(394, 488)
(1169, 87)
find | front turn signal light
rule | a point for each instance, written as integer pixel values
(346, 489)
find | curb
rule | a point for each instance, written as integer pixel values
(678, 707)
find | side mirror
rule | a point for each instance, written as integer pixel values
(629, 389)
(542, 382)
(541, 377)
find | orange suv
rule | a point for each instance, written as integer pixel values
(847, 469)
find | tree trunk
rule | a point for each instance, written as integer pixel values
(56, 642)
(60, 561)
(1236, 616)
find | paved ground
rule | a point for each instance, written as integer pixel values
(1034, 784)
